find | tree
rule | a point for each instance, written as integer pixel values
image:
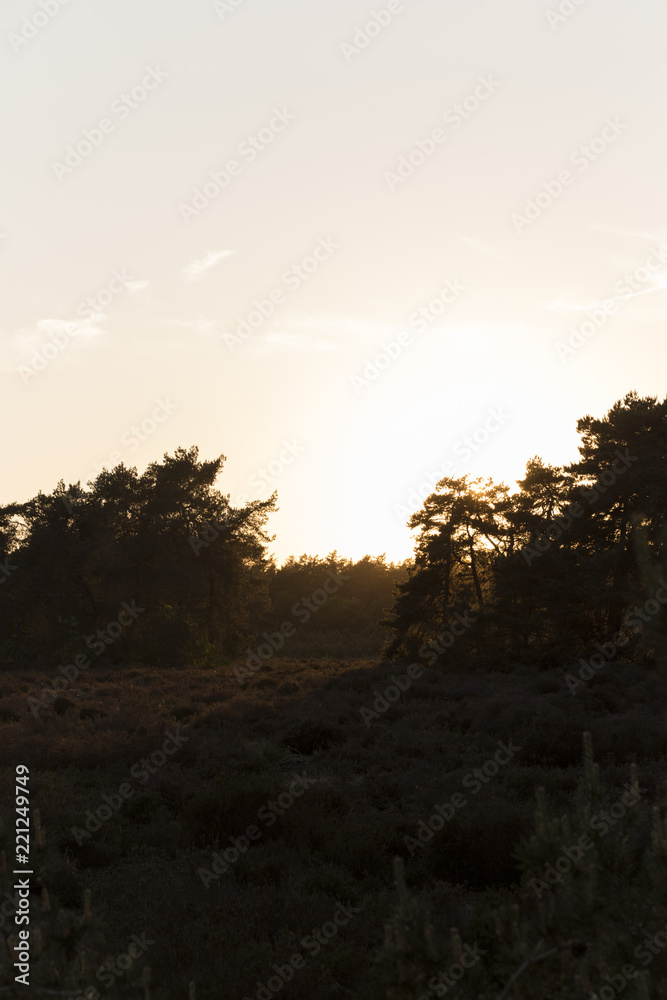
(552, 567)
(461, 524)
(167, 540)
(622, 473)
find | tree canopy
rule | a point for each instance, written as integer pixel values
(167, 540)
(556, 561)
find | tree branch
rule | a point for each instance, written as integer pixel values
(522, 968)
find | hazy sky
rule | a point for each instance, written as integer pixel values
(370, 166)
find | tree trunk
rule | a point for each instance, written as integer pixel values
(475, 577)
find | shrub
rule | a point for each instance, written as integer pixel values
(592, 898)
(307, 737)
(65, 940)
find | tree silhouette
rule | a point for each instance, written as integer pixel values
(553, 565)
(167, 539)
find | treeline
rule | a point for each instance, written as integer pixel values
(568, 562)
(334, 604)
(160, 568)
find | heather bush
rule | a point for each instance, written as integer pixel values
(587, 919)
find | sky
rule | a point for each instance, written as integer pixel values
(352, 247)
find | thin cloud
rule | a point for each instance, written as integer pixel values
(199, 268)
(44, 329)
(345, 327)
(660, 285)
(484, 248)
(279, 342)
(58, 331)
(199, 325)
(136, 286)
(653, 237)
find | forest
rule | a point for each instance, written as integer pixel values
(551, 568)
(337, 777)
